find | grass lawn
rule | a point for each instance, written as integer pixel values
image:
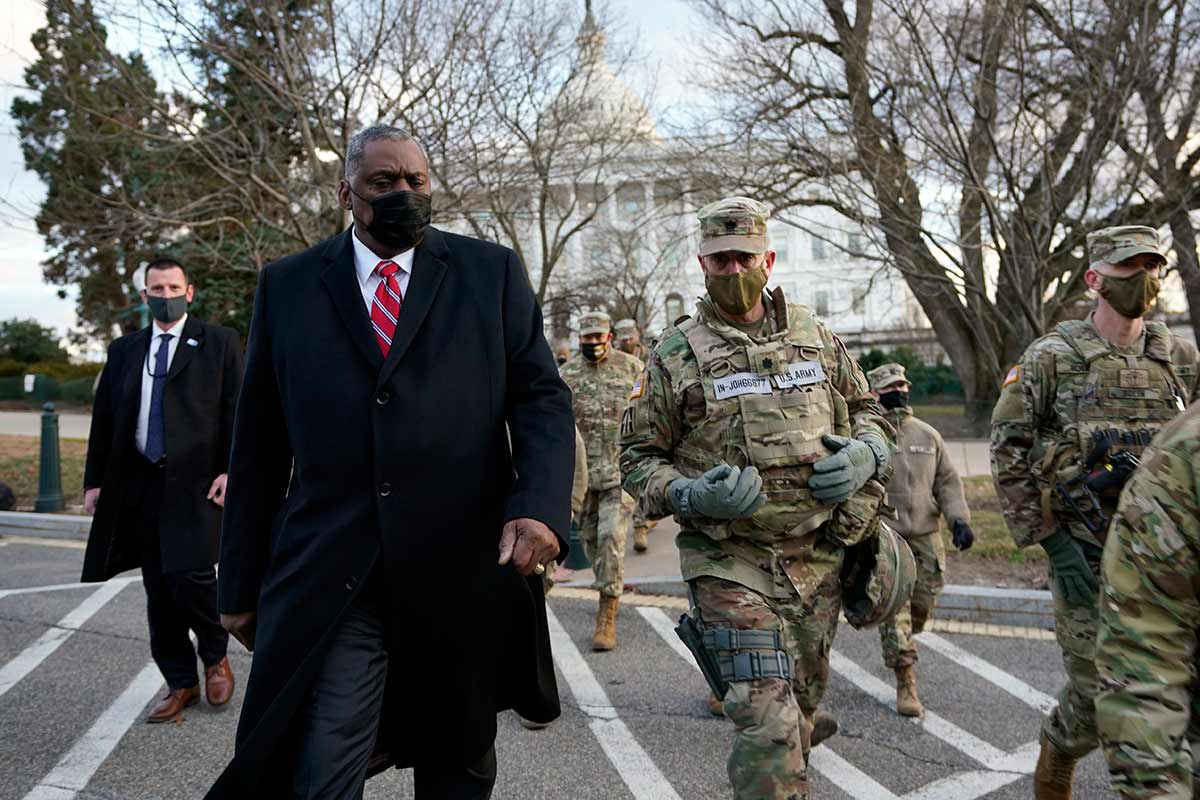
(19, 469)
(992, 539)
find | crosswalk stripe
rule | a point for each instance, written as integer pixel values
(635, 767)
(76, 768)
(989, 672)
(29, 658)
(60, 587)
(966, 743)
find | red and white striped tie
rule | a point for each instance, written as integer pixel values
(385, 309)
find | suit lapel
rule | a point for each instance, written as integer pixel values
(341, 281)
(429, 269)
(193, 331)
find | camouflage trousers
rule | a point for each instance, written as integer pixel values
(1071, 726)
(772, 716)
(603, 523)
(896, 634)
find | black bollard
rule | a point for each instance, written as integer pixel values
(50, 496)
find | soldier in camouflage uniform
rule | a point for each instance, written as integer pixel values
(600, 378)
(1148, 706)
(925, 485)
(629, 340)
(756, 430)
(1083, 400)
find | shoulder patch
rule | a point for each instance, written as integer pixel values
(1013, 376)
(638, 386)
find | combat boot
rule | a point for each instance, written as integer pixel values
(641, 539)
(908, 704)
(605, 637)
(1054, 774)
(824, 726)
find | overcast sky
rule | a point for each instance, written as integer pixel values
(662, 28)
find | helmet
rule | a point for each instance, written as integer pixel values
(877, 578)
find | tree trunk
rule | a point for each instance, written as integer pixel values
(1184, 235)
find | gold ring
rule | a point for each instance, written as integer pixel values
(539, 569)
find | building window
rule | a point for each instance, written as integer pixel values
(858, 300)
(780, 246)
(856, 243)
(631, 200)
(818, 248)
(822, 302)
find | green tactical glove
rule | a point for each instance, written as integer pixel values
(854, 462)
(724, 492)
(1071, 569)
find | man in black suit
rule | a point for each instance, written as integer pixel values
(162, 423)
(401, 411)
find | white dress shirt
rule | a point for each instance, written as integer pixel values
(365, 262)
(143, 419)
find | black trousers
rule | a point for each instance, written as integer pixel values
(337, 726)
(176, 602)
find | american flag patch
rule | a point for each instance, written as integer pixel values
(1013, 376)
(637, 388)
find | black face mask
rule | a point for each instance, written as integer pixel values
(892, 400)
(399, 219)
(167, 309)
(593, 352)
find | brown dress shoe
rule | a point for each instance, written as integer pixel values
(171, 706)
(218, 683)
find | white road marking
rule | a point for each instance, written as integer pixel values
(989, 672)
(59, 587)
(76, 768)
(964, 785)
(635, 767)
(33, 655)
(967, 743)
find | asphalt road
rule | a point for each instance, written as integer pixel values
(75, 679)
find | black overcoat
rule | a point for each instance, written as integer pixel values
(198, 405)
(341, 459)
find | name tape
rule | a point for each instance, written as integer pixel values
(802, 373)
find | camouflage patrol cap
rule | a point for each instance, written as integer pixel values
(594, 322)
(1114, 245)
(734, 223)
(885, 375)
(624, 327)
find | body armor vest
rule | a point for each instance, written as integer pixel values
(766, 405)
(1109, 400)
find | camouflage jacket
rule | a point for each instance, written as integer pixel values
(925, 483)
(599, 391)
(712, 394)
(1148, 706)
(1069, 388)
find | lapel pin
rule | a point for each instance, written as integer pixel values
(192, 343)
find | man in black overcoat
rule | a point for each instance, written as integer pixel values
(162, 422)
(401, 412)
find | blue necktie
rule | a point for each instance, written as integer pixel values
(156, 429)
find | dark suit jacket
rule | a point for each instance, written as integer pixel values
(198, 399)
(343, 461)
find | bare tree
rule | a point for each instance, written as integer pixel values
(552, 128)
(973, 143)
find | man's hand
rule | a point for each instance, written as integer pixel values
(1071, 569)
(962, 535)
(91, 497)
(840, 475)
(724, 492)
(526, 543)
(241, 627)
(216, 492)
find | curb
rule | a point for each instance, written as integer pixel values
(980, 605)
(45, 526)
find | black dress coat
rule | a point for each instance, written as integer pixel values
(344, 463)
(199, 398)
